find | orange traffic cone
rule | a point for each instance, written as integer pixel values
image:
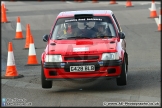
(159, 26)
(32, 58)
(94, 1)
(2, 2)
(11, 70)
(19, 34)
(129, 3)
(3, 14)
(27, 36)
(153, 13)
(112, 2)
(33, 39)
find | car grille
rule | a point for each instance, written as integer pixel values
(82, 58)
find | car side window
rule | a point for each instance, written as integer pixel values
(118, 26)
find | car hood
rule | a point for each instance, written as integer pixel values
(84, 46)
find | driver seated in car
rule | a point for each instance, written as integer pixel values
(70, 29)
(101, 27)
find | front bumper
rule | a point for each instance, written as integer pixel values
(66, 65)
(109, 68)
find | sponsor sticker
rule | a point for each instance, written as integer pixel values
(80, 49)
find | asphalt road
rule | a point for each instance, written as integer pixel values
(143, 47)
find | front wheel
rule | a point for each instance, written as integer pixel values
(45, 84)
(122, 80)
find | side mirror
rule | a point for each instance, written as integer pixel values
(45, 38)
(121, 35)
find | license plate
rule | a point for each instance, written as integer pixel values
(82, 68)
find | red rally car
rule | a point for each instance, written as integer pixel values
(84, 44)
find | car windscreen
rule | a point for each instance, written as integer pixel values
(95, 27)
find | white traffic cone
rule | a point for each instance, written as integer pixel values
(11, 70)
(159, 26)
(2, 2)
(19, 34)
(153, 13)
(32, 58)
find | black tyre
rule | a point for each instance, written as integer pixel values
(45, 83)
(122, 80)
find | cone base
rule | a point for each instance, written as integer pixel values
(94, 2)
(11, 71)
(159, 27)
(80, 1)
(19, 35)
(25, 48)
(5, 21)
(129, 6)
(17, 38)
(153, 17)
(12, 77)
(153, 14)
(113, 3)
(32, 60)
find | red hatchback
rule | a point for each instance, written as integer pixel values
(84, 44)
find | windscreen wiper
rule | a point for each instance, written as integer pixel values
(80, 37)
(106, 36)
(71, 37)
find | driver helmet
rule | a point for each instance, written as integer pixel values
(66, 25)
(72, 25)
(104, 24)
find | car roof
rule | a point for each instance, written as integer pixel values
(94, 12)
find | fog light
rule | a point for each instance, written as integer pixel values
(111, 70)
(52, 73)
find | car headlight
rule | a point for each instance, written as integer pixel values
(53, 58)
(110, 56)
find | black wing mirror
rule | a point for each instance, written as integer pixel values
(121, 35)
(45, 38)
